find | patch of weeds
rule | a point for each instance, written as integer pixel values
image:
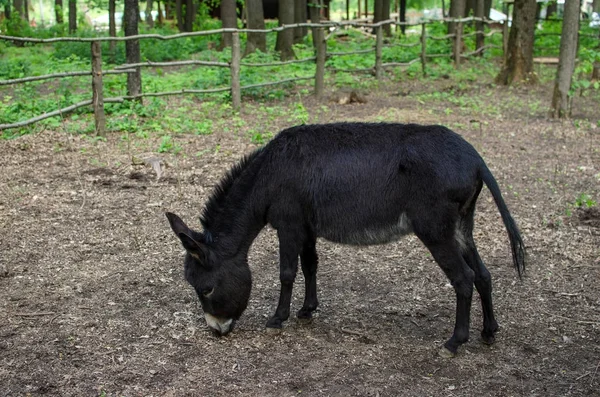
(585, 201)
(204, 127)
(167, 145)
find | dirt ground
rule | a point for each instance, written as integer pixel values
(93, 300)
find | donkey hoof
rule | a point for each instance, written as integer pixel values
(487, 338)
(304, 315)
(444, 352)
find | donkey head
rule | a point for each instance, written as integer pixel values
(222, 284)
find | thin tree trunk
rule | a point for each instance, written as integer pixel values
(112, 29)
(72, 16)
(229, 20)
(26, 10)
(519, 60)
(285, 38)
(149, 20)
(161, 18)
(457, 10)
(58, 11)
(179, 15)
(479, 26)
(385, 15)
(189, 15)
(300, 17)
(566, 65)
(315, 17)
(377, 13)
(7, 10)
(403, 15)
(256, 20)
(551, 10)
(132, 47)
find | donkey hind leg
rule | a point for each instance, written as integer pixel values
(449, 258)
(483, 279)
(290, 245)
(309, 261)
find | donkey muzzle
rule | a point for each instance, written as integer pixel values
(220, 326)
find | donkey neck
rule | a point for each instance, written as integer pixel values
(235, 212)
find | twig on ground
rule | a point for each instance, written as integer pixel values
(593, 376)
(352, 332)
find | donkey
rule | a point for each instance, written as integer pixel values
(349, 183)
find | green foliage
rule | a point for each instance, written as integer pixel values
(15, 26)
(584, 201)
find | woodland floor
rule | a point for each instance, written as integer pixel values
(93, 300)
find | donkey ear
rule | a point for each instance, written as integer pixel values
(195, 248)
(177, 224)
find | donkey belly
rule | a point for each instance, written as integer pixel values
(354, 232)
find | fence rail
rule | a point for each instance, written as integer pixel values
(235, 64)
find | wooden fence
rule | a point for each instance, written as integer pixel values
(97, 101)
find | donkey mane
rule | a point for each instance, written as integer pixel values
(219, 196)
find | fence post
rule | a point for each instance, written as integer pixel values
(458, 44)
(97, 94)
(378, 49)
(423, 47)
(236, 92)
(321, 45)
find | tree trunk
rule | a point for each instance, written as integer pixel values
(58, 11)
(457, 10)
(7, 10)
(519, 60)
(469, 7)
(487, 6)
(26, 10)
(189, 15)
(551, 10)
(72, 16)
(19, 6)
(377, 13)
(285, 38)
(160, 16)
(229, 20)
(479, 38)
(132, 47)
(403, 15)
(149, 20)
(256, 20)
(315, 17)
(179, 15)
(596, 6)
(300, 17)
(385, 15)
(381, 12)
(566, 64)
(112, 29)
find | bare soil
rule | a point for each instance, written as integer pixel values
(93, 301)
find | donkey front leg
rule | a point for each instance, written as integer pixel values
(290, 244)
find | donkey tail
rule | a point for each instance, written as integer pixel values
(516, 243)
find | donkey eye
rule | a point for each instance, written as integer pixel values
(208, 293)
